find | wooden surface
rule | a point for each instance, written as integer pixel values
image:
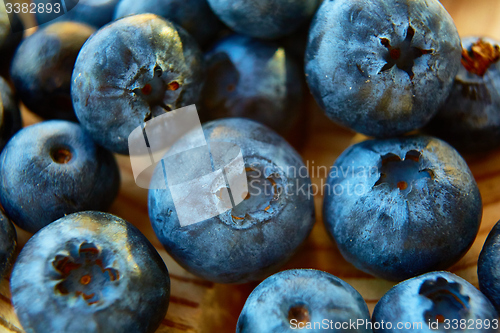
(201, 306)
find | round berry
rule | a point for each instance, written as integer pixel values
(395, 206)
(90, 272)
(51, 169)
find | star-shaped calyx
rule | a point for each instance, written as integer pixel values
(83, 275)
(402, 55)
(402, 174)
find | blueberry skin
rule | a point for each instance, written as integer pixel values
(488, 270)
(195, 16)
(267, 19)
(43, 65)
(51, 169)
(248, 242)
(90, 272)
(394, 206)
(10, 116)
(254, 79)
(8, 241)
(96, 13)
(385, 74)
(9, 39)
(279, 303)
(132, 70)
(431, 297)
(470, 118)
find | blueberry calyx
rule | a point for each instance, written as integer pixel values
(83, 274)
(447, 300)
(153, 92)
(401, 174)
(402, 56)
(264, 198)
(480, 57)
(61, 155)
(300, 314)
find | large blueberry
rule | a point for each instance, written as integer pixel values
(253, 79)
(8, 239)
(10, 116)
(193, 15)
(434, 302)
(303, 299)
(92, 12)
(51, 169)
(11, 34)
(488, 267)
(90, 272)
(43, 65)
(470, 118)
(255, 237)
(132, 70)
(382, 67)
(267, 19)
(401, 207)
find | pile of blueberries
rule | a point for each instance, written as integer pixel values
(402, 206)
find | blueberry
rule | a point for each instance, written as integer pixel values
(395, 206)
(254, 79)
(488, 270)
(470, 118)
(267, 19)
(90, 272)
(11, 35)
(132, 70)
(259, 234)
(434, 302)
(10, 116)
(51, 169)
(302, 298)
(8, 239)
(42, 68)
(382, 74)
(193, 15)
(92, 12)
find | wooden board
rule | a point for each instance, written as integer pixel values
(199, 306)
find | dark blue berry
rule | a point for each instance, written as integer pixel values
(90, 272)
(51, 169)
(470, 118)
(130, 71)
(488, 268)
(434, 302)
(303, 300)
(267, 19)
(8, 239)
(193, 15)
(402, 207)
(382, 67)
(10, 116)
(253, 79)
(92, 12)
(43, 65)
(259, 234)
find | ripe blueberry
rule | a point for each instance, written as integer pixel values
(402, 207)
(303, 299)
(258, 235)
(132, 70)
(42, 68)
(51, 169)
(434, 302)
(382, 74)
(90, 272)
